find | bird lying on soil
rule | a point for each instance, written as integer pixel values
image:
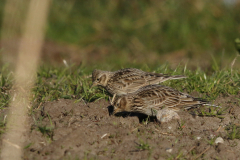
(156, 100)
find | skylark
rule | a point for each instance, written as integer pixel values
(156, 100)
(128, 80)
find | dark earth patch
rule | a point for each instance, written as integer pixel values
(67, 130)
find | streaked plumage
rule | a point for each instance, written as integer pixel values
(128, 80)
(156, 100)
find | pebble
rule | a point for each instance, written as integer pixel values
(219, 140)
(169, 150)
(198, 138)
(212, 136)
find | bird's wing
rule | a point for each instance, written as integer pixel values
(158, 97)
(127, 80)
(156, 78)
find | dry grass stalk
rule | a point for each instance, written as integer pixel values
(28, 57)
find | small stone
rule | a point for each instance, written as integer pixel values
(219, 140)
(198, 138)
(212, 136)
(166, 115)
(169, 150)
(169, 127)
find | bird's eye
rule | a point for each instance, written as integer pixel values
(98, 79)
(118, 104)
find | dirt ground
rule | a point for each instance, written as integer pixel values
(88, 131)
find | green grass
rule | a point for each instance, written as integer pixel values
(71, 83)
(211, 141)
(233, 132)
(178, 156)
(213, 112)
(181, 125)
(6, 78)
(143, 146)
(46, 131)
(74, 83)
(211, 86)
(68, 83)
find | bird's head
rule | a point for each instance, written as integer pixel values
(121, 104)
(100, 78)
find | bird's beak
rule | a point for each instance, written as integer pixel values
(94, 84)
(116, 110)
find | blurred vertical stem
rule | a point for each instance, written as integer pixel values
(25, 74)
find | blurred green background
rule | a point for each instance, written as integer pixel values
(138, 33)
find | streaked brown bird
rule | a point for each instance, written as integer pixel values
(156, 100)
(128, 80)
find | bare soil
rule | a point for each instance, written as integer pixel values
(89, 131)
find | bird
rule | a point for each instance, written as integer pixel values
(128, 80)
(157, 100)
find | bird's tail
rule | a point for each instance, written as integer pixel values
(205, 102)
(177, 77)
(211, 105)
(198, 102)
(167, 77)
(163, 77)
